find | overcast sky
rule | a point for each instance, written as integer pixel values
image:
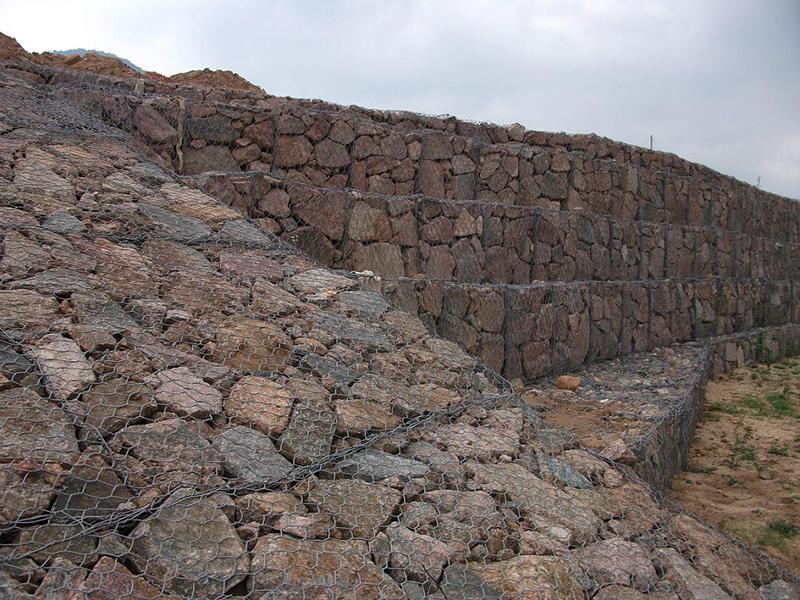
(716, 81)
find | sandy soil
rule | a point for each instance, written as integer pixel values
(744, 464)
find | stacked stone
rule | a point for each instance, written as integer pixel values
(191, 408)
(665, 250)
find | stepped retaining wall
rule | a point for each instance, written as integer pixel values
(537, 252)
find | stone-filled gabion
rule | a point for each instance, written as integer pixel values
(191, 407)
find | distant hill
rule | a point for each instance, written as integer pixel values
(84, 52)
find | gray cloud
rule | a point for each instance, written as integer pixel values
(716, 81)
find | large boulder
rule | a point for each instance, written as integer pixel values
(290, 568)
(32, 428)
(360, 508)
(189, 547)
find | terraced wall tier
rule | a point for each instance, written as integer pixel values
(531, 330)
(334, 147)
(537, 252)
(479, 242)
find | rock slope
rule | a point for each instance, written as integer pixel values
(190, 407)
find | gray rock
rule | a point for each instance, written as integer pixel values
(552, 469)
(11, 589)
(114, 404)
(359, 302)
(189, 547)
(778, 590)
(67, 540)
(174, 226)
(26, 493)
(14, 365)
(63, 223)
(417, 515)
(150, 173)
(483, 443)
(416, 556)
(537, 498)
(166, 453)
(209, 158)
(25, 314)
(617, 561)
(271, 301)
(102, 313)
(246, 234)
(320, 281)
(261, 404)
(326, 367)
(459, 582)
(555, 441)
(214, 128)
(32, 174)
(352, 331)
(373, 465)
(530, 576)
(55, 282)
(185, 394)
(444, 463)
(251, 455)
(687, 582)
(309, 435)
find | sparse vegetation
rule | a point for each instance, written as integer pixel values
(744, 466)
(741, 449)
(763, 353)
(776, 450)
(700, 469)
(776, 534)
(780, 403)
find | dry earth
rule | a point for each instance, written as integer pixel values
(744, 464)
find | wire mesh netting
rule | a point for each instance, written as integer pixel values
(190, 407)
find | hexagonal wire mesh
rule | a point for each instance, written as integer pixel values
(190, 407)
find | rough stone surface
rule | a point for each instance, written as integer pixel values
(109, 580)
(185, 394)
(24, 313)
(522, 577)
(537, 498)
(617, 562)
(358, 507)
(91, 488)
(309, 434)
(684, 578)
(251, 455)
(259, 403)
(372, 465)
(418, 557)
(166, 454)
(251, 345)
(310, 568)
(111, 405)
(33, 428)
(206, 556)
(64, 367)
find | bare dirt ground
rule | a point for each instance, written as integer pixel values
(744, 464)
